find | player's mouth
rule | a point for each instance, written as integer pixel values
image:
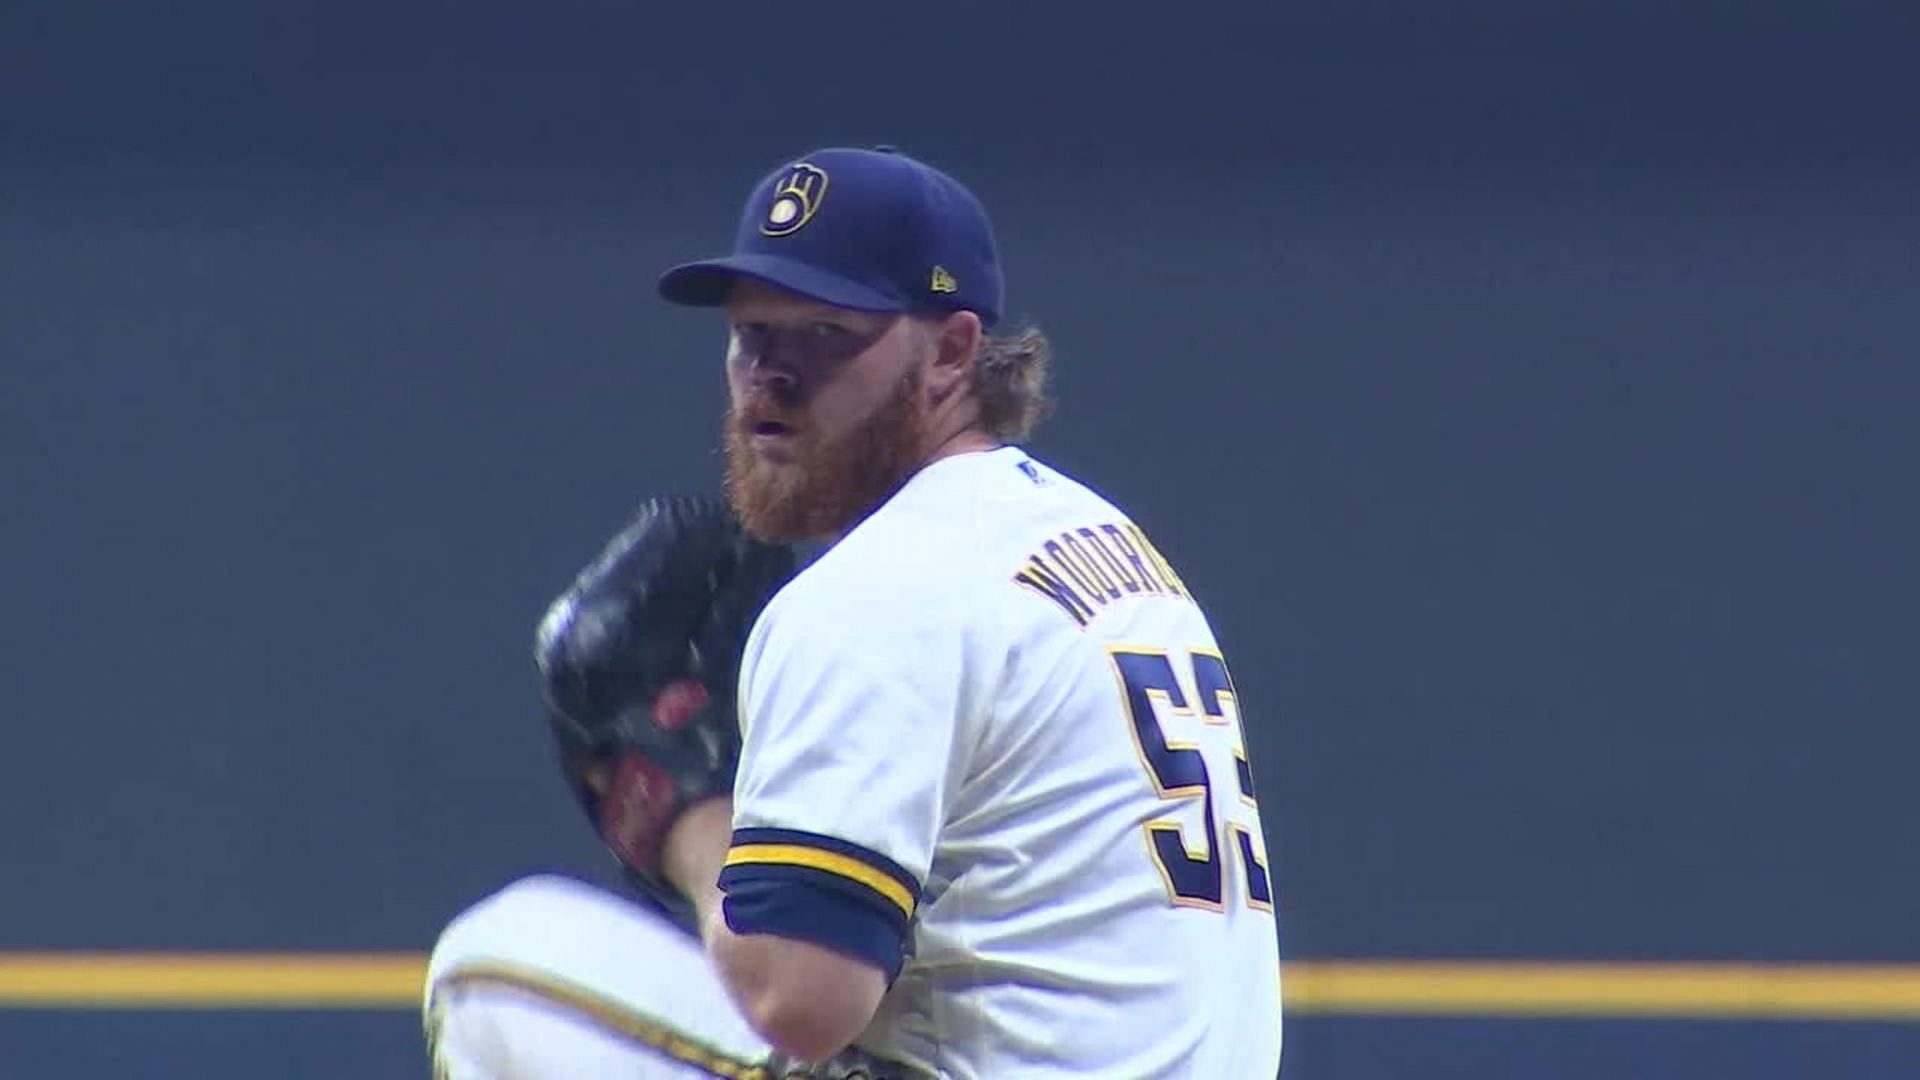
(772, 439)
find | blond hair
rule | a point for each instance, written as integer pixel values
(1010, 383)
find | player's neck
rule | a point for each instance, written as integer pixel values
(968, 440)
(954, 429)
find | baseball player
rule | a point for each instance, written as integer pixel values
(967, 796)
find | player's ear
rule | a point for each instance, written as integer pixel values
(957, 338)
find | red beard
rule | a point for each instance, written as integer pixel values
(829, 487)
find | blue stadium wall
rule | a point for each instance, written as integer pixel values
(1528, 394)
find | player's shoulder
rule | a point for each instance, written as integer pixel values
(521, 923)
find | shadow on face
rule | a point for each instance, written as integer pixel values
(812, 367)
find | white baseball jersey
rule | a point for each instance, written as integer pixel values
(555, 979)
(990, 740)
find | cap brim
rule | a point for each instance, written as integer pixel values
(707, 283)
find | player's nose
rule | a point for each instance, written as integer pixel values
(774, 379)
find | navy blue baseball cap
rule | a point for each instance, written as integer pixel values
(870, 230)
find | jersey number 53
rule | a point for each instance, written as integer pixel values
(1193, 872)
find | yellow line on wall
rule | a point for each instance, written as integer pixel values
(1884, 992)
(132, 980)
(1676, 991)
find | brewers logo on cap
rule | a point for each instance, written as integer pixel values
(796, 198)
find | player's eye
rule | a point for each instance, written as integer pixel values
(749, 340)
(817, 345)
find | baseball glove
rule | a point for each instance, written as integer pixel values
(639, 662)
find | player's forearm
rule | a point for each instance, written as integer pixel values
(806, 1000)
(693, 853)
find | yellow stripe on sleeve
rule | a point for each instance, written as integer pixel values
(832, 862)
